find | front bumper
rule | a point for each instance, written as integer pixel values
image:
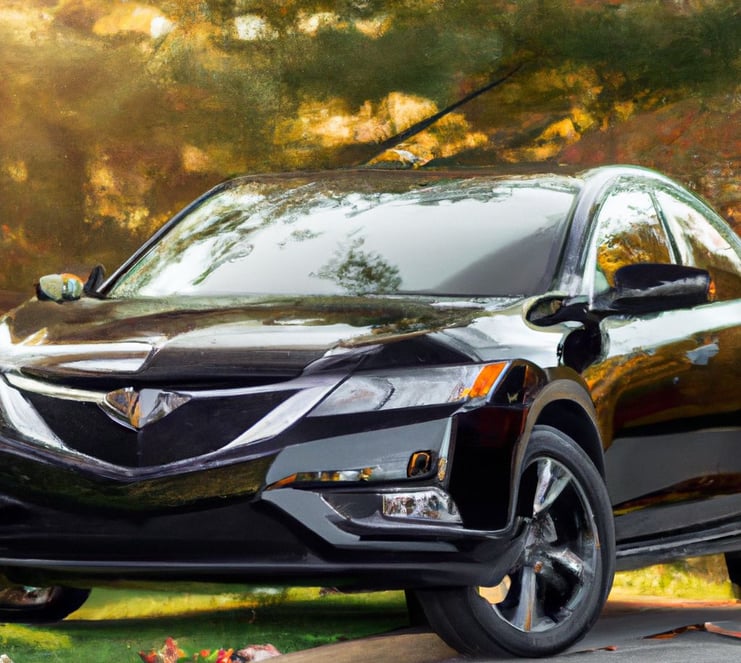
(62, 523)
(246, 541)
(279, 508)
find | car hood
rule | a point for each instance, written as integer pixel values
(187, 339)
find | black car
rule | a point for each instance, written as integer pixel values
(490, 391)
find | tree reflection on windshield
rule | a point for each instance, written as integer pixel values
(360, 272)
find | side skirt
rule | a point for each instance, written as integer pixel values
(718, 539)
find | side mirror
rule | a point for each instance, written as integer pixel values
(68, 287)
(639, 289)
(653, 288)
(59, 287)
(554, 308)
(96, 278)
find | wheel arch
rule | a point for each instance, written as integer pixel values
(560, 401)
(572, 418)
(563, 404)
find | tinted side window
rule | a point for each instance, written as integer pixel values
(628, 231)
(704, 244)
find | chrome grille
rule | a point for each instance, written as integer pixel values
(198, 427)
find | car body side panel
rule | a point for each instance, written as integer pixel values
(668, 366)
(669, 399)
(673, 466)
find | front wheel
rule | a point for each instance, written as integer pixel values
(556, 588)
(39, 605)
(733, 564)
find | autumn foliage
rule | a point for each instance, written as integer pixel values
(117, 114)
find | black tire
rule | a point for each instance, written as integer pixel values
(562, 577)
(733, 564)
(415, 612)
(40, 605)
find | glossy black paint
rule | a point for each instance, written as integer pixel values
(201, 416)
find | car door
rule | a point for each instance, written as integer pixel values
(670, 426)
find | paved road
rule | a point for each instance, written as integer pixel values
(623, 635)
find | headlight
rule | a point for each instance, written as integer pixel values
(411, 388)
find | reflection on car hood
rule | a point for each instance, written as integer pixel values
(196, 339)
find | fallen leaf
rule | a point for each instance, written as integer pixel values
(666, 635)
(730, 629)
(257, 653)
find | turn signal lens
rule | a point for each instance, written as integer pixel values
(484, 381)
(329, 476)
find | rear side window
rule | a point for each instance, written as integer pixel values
(704, 243)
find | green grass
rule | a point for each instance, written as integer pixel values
(116, 624)
(699, 578)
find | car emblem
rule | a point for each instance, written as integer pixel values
(136, 409)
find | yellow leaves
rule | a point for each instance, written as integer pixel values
(111, 195)
(624, 109)
(375, 27)
(253, 27)
(327, 124)
(25, 26)
(403, 110)
(555, 137)
(212, 158)
(562, 129)
(17, 170)
(582, 118)
(194, 160)
(567, 79)
(133, 18)
(101, 178)
(446, 138)
(311, 23)
(330, 124)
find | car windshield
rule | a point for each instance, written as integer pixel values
(475, 238)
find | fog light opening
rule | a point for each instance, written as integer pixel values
(431, 504)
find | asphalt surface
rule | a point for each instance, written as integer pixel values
(628, 631)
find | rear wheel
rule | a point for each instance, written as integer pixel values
(555, 590)
(39, 605)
